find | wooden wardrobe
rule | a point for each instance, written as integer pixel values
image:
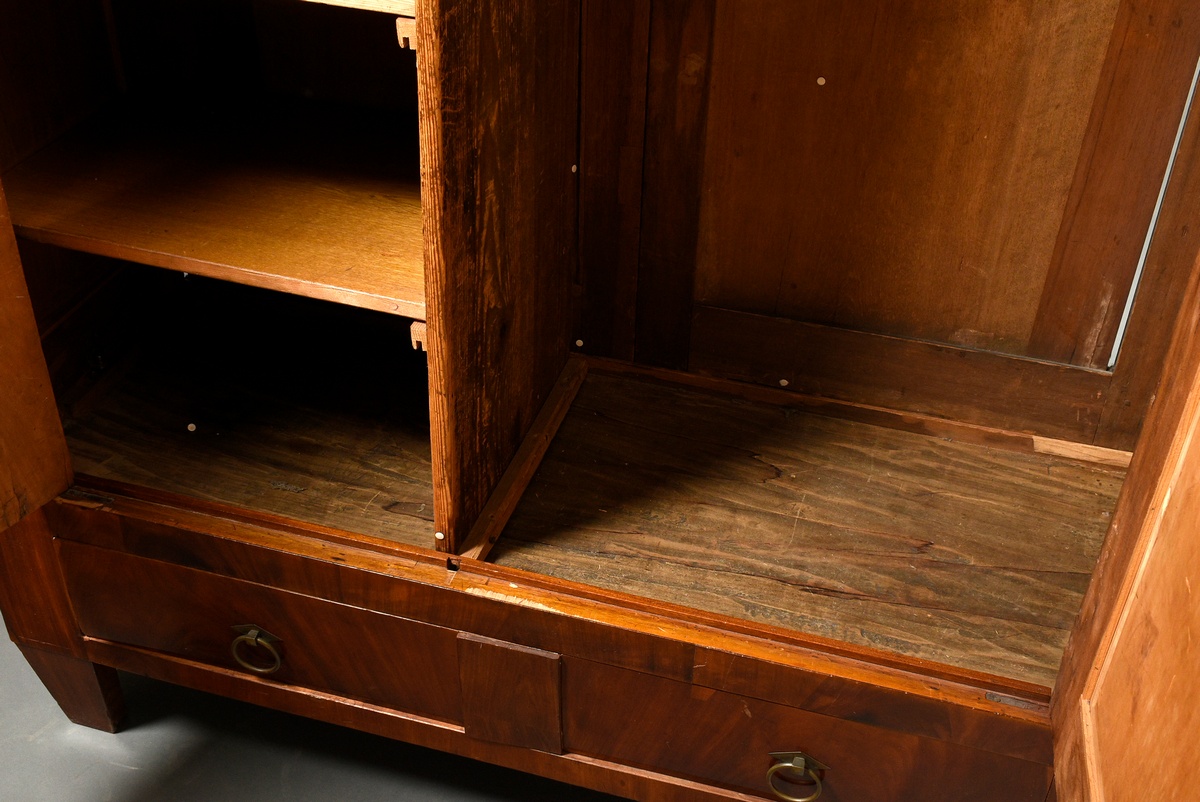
(686, 399)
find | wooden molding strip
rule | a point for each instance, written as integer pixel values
(1008, 393)
(507, 495)
(875, 416)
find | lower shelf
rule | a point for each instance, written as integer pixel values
(267, 402)
(948, 552)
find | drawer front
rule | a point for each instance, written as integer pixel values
(722, 738)
(326, 646)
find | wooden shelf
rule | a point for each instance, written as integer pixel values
(267, 402)
(401, 8)
(917, 546)
(319, 202)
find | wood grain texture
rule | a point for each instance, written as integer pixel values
(332, 648)
(1145, 700)
(1150, 477)
(993, 390)
(681, 36)
(726, 739)
(544, 613)
(612, 111)
(512, 485)
(858, 174)
(34, 465)
(33, 598)
(87, 693)
(869, 704)
(945, 428)
(947, 552)
(272, 198)
(1141, 95)
(1170, 263)
(511, 694)
(300, 408)
(499, 125)
(609, 777)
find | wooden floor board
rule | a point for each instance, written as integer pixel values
(301, 408)
(952, 552)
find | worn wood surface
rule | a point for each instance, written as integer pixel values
(1019, 395)
(726, 739)
(946, 428)
(544, 613)
(855, 175)
(511, 694)
(87, 693)
(300, 408)
(359, 654)
(612, 131)
(512, 485)
(672, 183)
(948, 552)
(499, 109)
(314, 203)
(1126, 549)
(34, 466)
(1142, 91)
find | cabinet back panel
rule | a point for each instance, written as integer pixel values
(57, 69)
(900, 168)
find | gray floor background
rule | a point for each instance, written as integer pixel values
(184, 746)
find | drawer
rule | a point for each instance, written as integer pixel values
(725, 739)
(335, 648)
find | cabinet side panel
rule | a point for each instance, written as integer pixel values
(498, 92)
(34, 466)
(1146, 491)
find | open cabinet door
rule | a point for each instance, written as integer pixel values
(34, 466)
(1127, 705)
(499, 100)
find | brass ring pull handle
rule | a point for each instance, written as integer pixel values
(252, 637)
(802, 770)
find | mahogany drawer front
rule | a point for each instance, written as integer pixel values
(725, 739)
(335, 648)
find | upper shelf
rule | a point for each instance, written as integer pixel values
(403, 8)
(310, 201)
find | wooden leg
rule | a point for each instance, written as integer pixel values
(89, 694)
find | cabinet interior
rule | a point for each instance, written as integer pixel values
(269, 143)
(943, 550)
(269, 150)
